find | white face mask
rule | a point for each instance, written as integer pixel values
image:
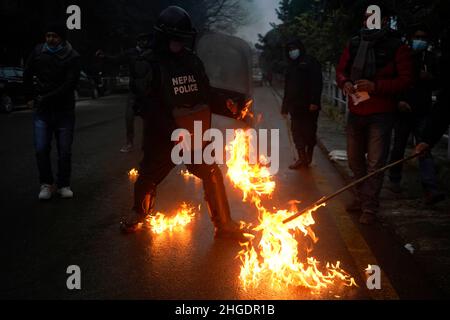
(294, 54)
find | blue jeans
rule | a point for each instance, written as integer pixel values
(368, 135)
(406, 124)
(61, 125)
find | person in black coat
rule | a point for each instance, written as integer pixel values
(129, 58)
(302, 100)
(55, 67)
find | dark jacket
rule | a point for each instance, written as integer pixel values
(303, 84)
(157, 101)
(392, 78)
(439, 121)
(419, 97)
(130, 58)
(440, 116)
(57, 75)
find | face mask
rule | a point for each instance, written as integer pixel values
(419, 45)
(294, 54)
(54, 49)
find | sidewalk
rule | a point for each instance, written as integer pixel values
(425, 231)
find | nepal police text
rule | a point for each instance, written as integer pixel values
(184, 84)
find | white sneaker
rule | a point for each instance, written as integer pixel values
(127, 148)
(65, 193)
(46, 192)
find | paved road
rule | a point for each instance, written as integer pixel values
(40, 240)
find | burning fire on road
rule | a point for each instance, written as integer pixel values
(160, 222)
(279, 251)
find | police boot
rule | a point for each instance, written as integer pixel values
(136, 220)
(219, 209)
(309, 155)
(302, 159)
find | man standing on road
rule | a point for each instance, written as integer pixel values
(56, 66)
(129, 58)
(173, 91)
(302, 100)
(413, 113)
(373, 70)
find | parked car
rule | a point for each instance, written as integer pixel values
(11, 88)
(121, 82)
(257, 76)
(87, 87)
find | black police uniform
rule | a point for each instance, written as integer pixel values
(177, 84)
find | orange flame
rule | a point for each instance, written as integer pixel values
(133, 174)
(160, 223)
(187, 175)
(275, 253)
(246, 111)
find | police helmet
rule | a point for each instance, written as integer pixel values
(175, 22)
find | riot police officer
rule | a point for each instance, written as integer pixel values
(172, 91)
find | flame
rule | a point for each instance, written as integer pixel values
(246, 111)
(133, 174)
(275, 253)
(160, 223)
(252, 179)
(187, 175)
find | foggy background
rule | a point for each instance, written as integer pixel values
(261, 14)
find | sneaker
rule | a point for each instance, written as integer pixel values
(367, 218)
(46, 192)
(65, 193)
(127, 148)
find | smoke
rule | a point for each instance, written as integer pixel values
(261, 14)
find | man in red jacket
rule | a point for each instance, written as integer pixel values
(373, 70)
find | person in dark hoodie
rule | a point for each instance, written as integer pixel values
(302, 100)
(55, 66)
(129, 58)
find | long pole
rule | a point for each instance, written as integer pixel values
(351, 185)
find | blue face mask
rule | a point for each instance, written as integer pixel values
(419, 45)
(294, 54)
(54, 49)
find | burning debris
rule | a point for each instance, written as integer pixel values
(276, 252)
